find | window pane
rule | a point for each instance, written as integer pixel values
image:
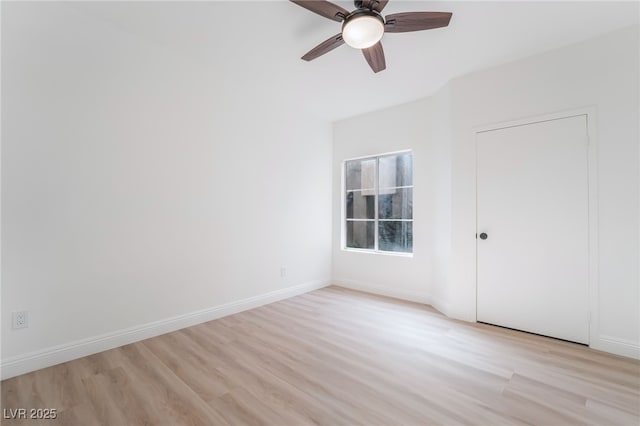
(360, 174)
(395, 236)
(396, 204)
(360, 206)
(360, 234)
(395, 170)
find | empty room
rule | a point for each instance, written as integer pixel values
(309, 212)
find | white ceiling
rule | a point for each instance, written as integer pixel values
(256, 45)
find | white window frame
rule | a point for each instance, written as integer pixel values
(376, 220)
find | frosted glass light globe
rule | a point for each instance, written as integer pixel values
(362, 31)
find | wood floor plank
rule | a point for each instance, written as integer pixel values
(111, 397)
(198, 372)
(170, 399)
(337, 357)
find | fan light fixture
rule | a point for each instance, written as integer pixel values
(362, 29)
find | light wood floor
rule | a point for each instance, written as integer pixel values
(337, 357)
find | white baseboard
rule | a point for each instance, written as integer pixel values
(617, 346)
(62, 353)
(411, 296)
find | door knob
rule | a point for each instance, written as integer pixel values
(483, 236)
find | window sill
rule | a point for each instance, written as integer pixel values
(384, 253)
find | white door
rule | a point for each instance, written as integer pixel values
(532, 191)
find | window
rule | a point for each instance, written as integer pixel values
(378, 213)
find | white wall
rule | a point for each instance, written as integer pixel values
(138, 188)
(601, 73)
(412, 126)
(440, 115)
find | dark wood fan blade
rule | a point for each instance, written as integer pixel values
(323, 8)
(326, 46)
(415, 21)
(376, 5)
(375, 57)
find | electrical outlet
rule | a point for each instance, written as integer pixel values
(20, 319)
(283, 272)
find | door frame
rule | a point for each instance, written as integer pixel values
(592, 191)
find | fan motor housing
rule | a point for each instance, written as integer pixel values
(360, 13)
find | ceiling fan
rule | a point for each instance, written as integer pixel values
(363, 28)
